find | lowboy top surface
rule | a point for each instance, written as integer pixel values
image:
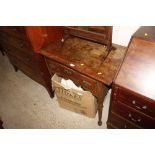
(85, 57)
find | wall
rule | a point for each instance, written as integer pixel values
(122, 34)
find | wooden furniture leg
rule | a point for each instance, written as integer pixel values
(1, 124)
(15, 68)
(102, 91)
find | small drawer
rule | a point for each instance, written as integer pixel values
(133, 116)
(15, 31)
(86, 83)
(136, 102)
(119, 122)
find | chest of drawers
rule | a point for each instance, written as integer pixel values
(133, 95)
(21, 44)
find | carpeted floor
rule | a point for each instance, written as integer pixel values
(26, 104)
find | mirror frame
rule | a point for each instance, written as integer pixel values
(103, 38)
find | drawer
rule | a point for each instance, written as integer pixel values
(32, 71)
(26, 58)
(116, 121)
(15, 31)
(22, 45)
(86, 83)
(133, 116)
(136, 102)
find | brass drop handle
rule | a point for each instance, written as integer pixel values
(68, 72)
(52, 66)
(133, 119)
(28, 59)
(21, 45)
(134, 103)
(87, 84)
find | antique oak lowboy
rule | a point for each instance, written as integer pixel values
(85, 55)
(21, 44)
(133, 94)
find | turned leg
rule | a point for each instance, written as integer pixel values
(1, 124)
(102, 91)
(100, 108)
(15, 68)
(51, 93)
(2, 52)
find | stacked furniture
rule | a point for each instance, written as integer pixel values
(21, 44)
(133, 94)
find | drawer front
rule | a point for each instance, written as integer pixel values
(118, 122)
(26, 58)
(133, 116)
(32, 71)
(15, 31)
(80, 80)
(136, 102)
(22, 45)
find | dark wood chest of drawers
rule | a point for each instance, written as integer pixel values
(133, 94)
(17, 44)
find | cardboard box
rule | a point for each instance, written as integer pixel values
(82, 102)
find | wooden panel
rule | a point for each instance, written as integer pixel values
(40, 36)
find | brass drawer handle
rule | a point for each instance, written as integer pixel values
(21, 45)
(52, 66)
(87, 84)
(28, 59)
(143, 107)
(68, 72)
(133, 119)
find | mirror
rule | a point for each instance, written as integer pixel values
(99, 34)
(95, 29)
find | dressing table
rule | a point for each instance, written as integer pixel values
(85, 55)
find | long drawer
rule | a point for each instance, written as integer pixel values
(30, 71)
(27, 58)
(15, 31)
(133, 116)
(7, 40)
(116, 121)
(139, 103)
(85, 82)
